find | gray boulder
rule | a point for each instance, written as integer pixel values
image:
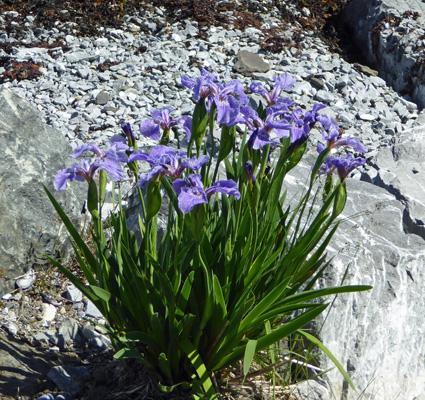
(247, 63)
(390, 34)
(378, 335)
(32, 153)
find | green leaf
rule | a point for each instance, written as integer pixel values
(263, 306)
(77, 282)
(249, 356)
(260, 264)
(102, 185)
(314, 294)
(199, 124)
(340, 199)
(127, 353)
(90, 258)
(319, 344)
(142, 337)
(184, 294)
(226, 143)
(219, 298)
(273, 337)
(101, 293)
(200, 368)
(169, 389)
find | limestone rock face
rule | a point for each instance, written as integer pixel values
(378, 335)
(32, 153)
(390, 33)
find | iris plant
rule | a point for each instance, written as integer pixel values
(226, 279)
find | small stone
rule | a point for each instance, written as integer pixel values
(367, 117)
(89, 333)
(68, 330)
(101, 42)
(17, 297)
(92, 311)
(48, 396)
(69, 379)
(377, 81)
(83, 73)
(7, 296)
(73, 294)
(342, 82)
(324, 96)
(12, 328)
(97, 342)
(49, 314)
(102, 98)
(301, 88)
(27, 280)
(65, 396)
(176, 37)
(317, 82)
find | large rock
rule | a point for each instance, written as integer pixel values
(31, 154)
(378, 335)
(390, 33)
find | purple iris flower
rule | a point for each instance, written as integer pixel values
(282, 82)
(227, 106)
(331, 130)
(331, 133)
(250, 117)
(161, 120)
(207, 87)
(343, 165)
(281, 106)
(166, 160)
(200, 86)
(299, 127)
(126, 127)
(77, 172)
(108, 161)
(260, 138)
(190, 191)
(311, 115)
(115, 151)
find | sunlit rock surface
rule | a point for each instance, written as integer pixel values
(390, 33)
(378, 336)
(31, 154)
